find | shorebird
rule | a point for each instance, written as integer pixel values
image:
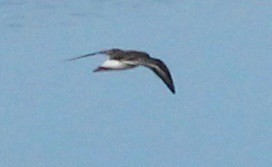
(126, 59)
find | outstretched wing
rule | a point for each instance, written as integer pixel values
(161, 70)
(79, 57)
(90, 54)
(112, 53)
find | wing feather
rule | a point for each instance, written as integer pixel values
(161, 70)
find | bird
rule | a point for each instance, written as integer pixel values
(120, 59)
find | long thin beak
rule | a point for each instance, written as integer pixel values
(87, 55)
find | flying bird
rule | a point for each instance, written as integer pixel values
(126, 59)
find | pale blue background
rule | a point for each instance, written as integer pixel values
(58, 114)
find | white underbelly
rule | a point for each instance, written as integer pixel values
(115, 64)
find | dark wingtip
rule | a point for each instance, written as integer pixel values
(86, 55)
(71, 59)
(172, 89)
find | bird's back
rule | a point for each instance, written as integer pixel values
(133, 53)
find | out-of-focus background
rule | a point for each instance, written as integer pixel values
(54, 113)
